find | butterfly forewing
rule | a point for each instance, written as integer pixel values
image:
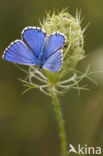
(34, 38)
(19, 53)
(55, 43)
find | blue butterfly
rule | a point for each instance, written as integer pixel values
(37, 48)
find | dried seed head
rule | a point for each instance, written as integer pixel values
(73, 50)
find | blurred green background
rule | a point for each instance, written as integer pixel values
(27, 123)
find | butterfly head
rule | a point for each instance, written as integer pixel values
(40, 67)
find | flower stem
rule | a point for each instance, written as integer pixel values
(60, 120)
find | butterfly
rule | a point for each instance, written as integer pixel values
(37, 48)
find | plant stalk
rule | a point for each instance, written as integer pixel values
(60, 121)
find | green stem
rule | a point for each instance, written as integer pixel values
(59, 120)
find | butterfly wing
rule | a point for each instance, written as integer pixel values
(54, 62)
(19, 53)
(55, 43)
(34, 38)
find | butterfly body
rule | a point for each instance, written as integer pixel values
(41, 59)
(37, 48)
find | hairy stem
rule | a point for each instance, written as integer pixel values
(60, 120)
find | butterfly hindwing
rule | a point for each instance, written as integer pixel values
(34, 38)
(54, 62)
(55, 43)
(19, 53)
